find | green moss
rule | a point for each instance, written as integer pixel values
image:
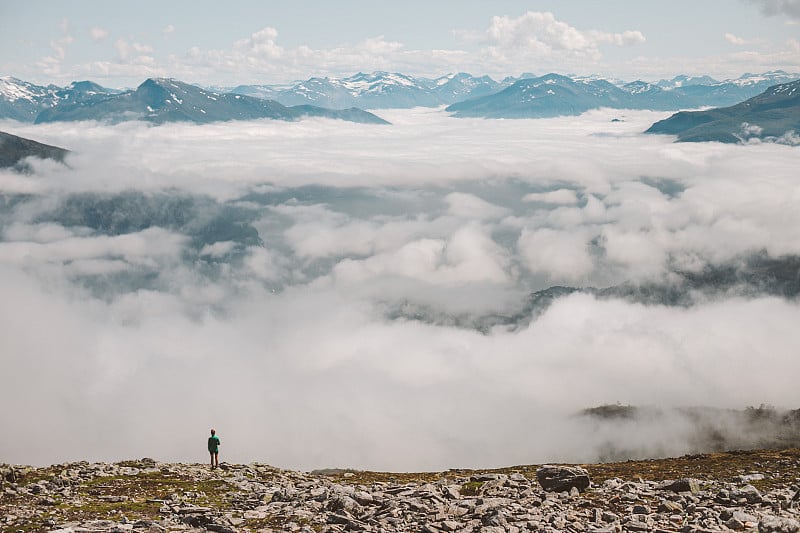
(471, 488)
(100, 510)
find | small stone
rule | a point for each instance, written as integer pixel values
(734, 524)
(635, 525)
(748, 493)
(668, 506)
(450, 525)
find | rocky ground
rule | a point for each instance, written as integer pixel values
(738, 491)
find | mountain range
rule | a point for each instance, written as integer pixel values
(514, 97)
(528, 96)
(156, 100)
(379, 90)
(23, 101)
(556, 95)
(774, 115)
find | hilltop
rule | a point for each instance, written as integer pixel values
(774, 115)
(15, 150)
(738, 491)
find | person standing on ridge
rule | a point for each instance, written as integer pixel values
(213, 449)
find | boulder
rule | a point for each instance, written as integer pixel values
(680, 485)
(778, 524)
(562, 478)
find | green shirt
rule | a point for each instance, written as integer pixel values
(213, 444)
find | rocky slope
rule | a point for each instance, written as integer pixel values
(735, 491)
(14, 150)
(772, 116)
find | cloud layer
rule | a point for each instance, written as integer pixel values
(303, 287)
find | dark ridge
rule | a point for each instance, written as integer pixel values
(14, 150)
(770, 116)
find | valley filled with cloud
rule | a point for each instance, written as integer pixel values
(337, 294)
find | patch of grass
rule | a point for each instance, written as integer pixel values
(360, 477)
(156, 485)
(139, 489)
(99, 510)
(471, 488)
(781, 467)
(29, 526)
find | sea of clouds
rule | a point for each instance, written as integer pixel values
(303, 286)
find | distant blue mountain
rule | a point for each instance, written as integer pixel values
(378, 90)
(546, 96)
(528, 96)
(686, 81)
(23, 101)
(773, 115)
(166, 100)
(555, 95)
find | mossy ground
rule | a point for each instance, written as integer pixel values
(144, 491)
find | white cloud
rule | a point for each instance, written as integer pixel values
(541, 35)
(218, 249)
(260, 45)
(559, 255)
(469, 255)
(733, 39)
(470, 206)
(133, 52)
(52, 65)
(60, 45)
(264, 265)
(148, 248)
(98, 34)
(557, 197)
(169, 28)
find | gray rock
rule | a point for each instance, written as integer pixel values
(635, 525)
(450, 525)
(452, 492)
(748, 493)
(681, 485)
(562, 478)
(670, 507)
(778, 524)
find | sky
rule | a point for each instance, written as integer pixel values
(119, 44)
